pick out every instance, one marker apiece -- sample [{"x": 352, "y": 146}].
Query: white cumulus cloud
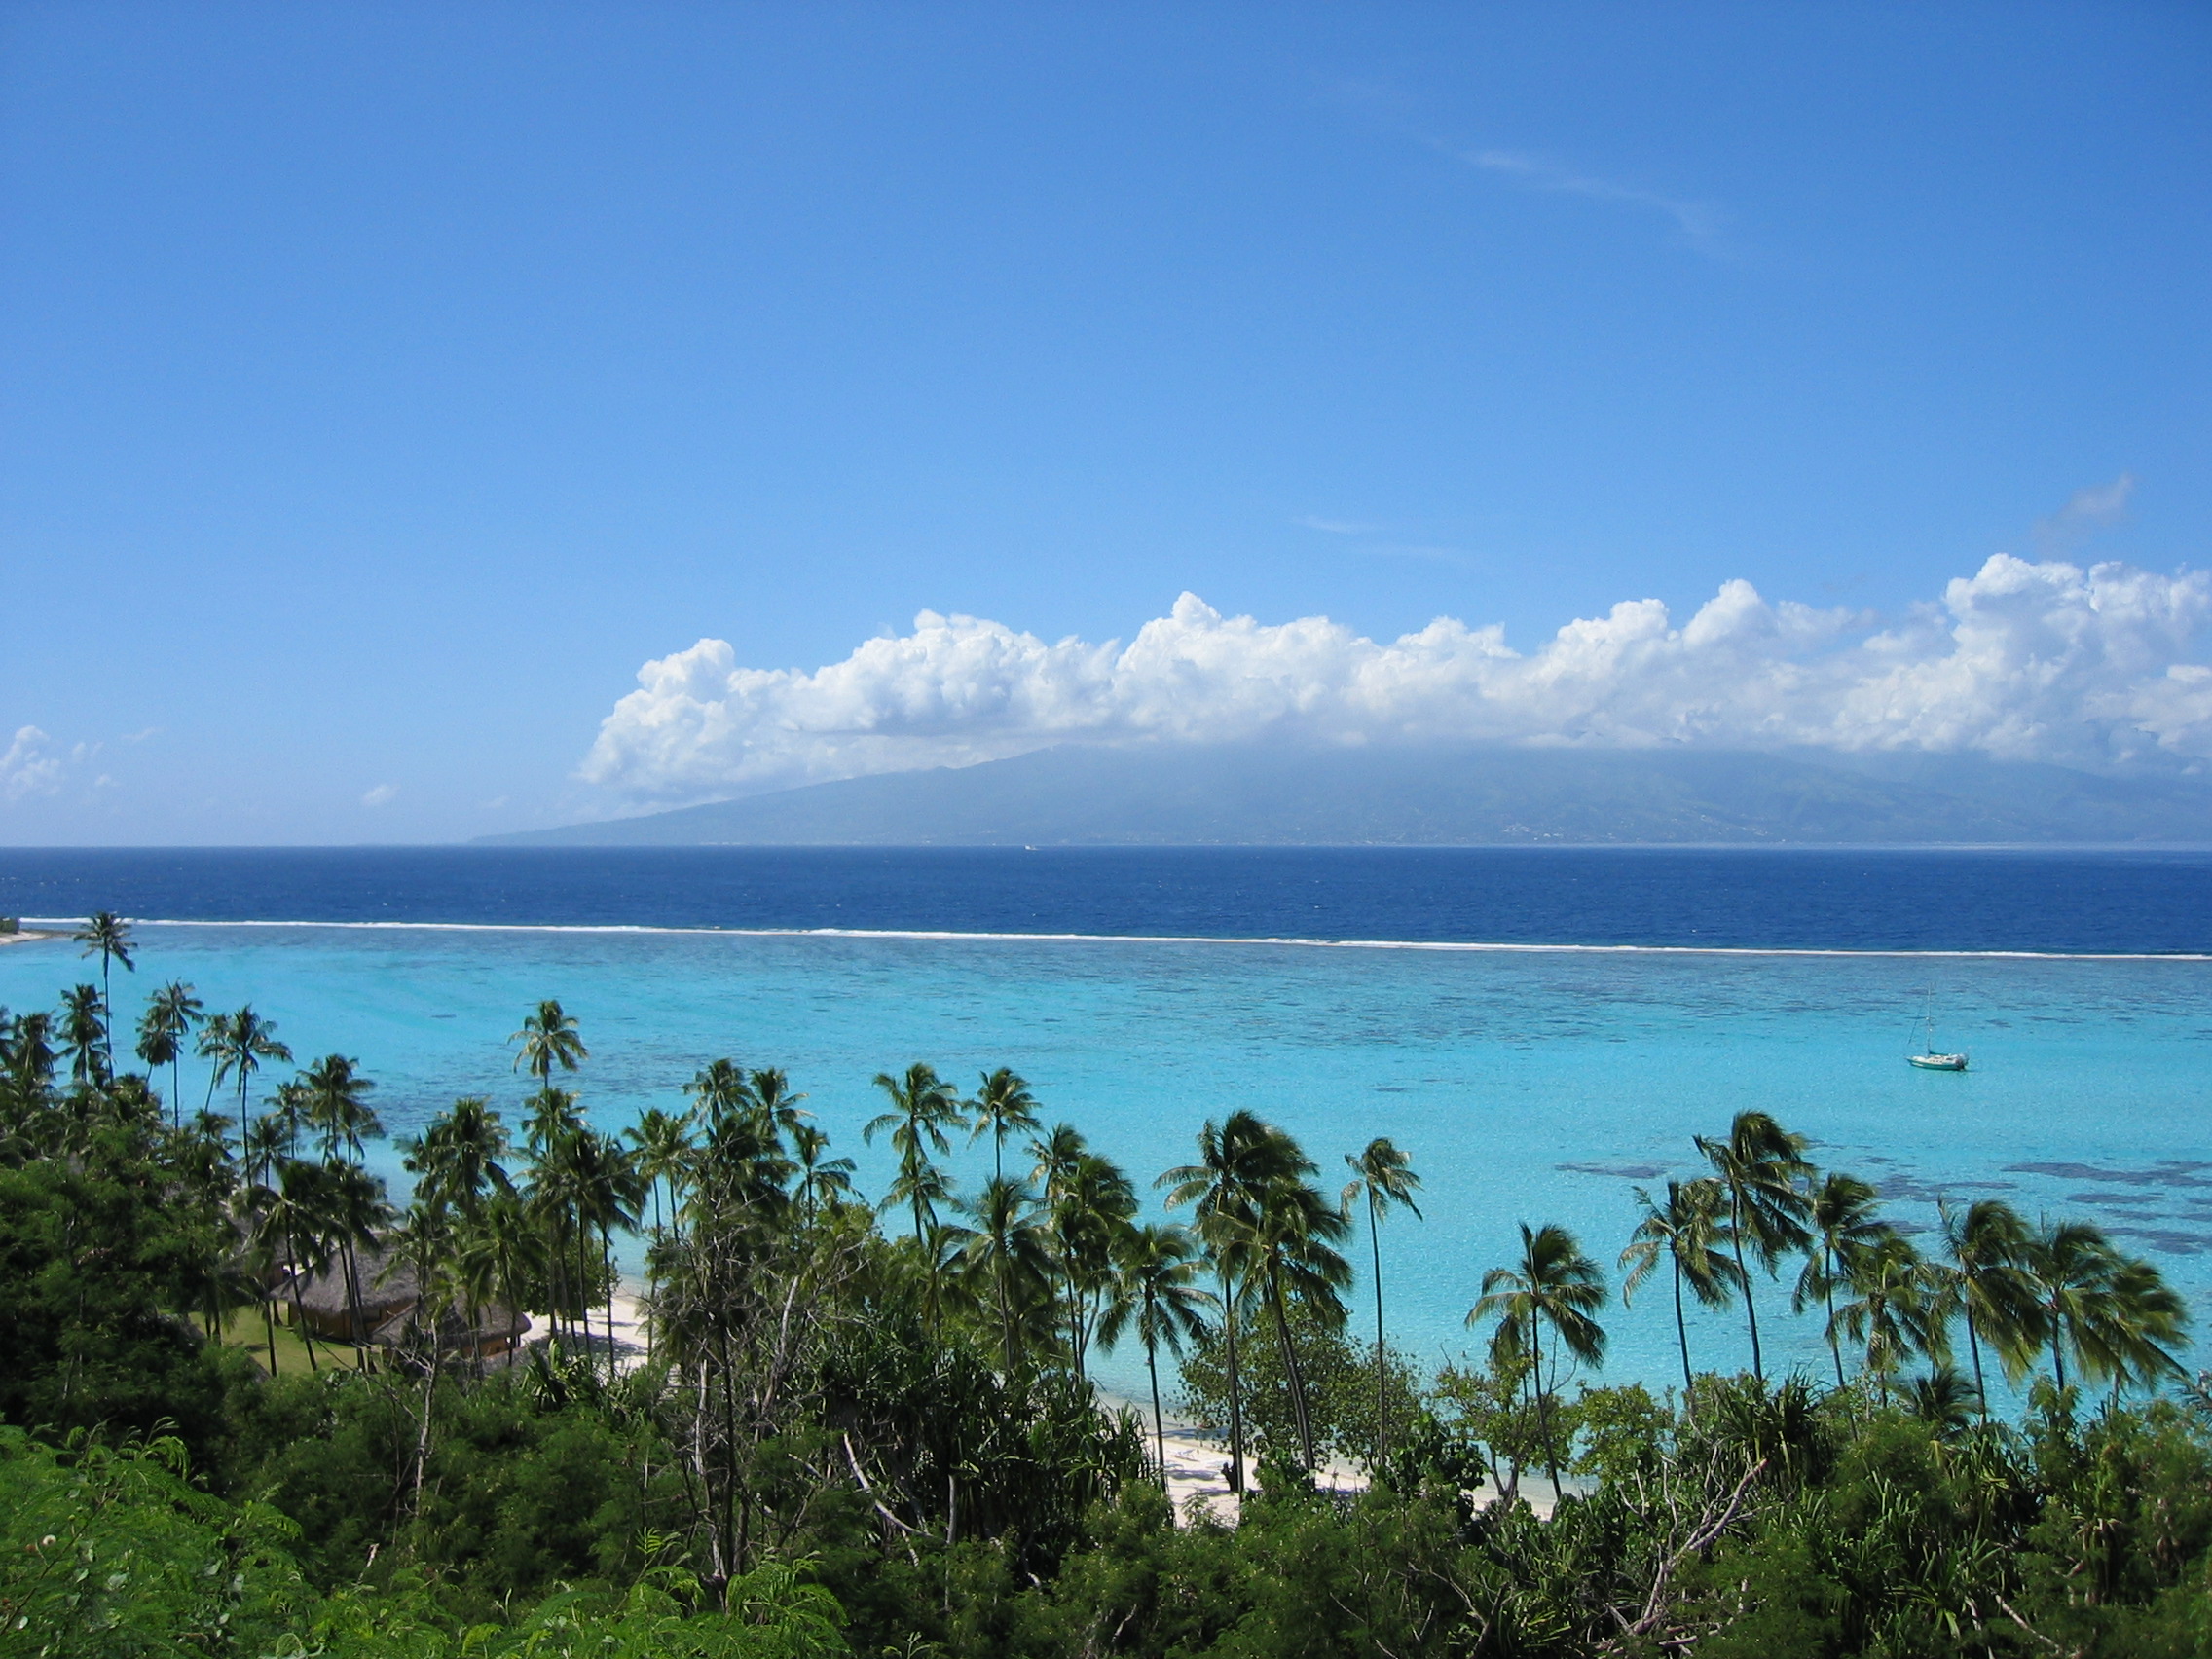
[
  {"x": 2047, "y": 661},
  {"x": 29, "y": 766}
]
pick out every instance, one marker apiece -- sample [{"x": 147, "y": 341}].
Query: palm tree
[
  {"x": 1383, "y": 1176},
  {"x": 1091, "y": 1208},
  {"x": 335, "y": 1104},
  {"x": 84, "y": 1035},
  {"x": 608, "y": 1192},
  {"x": 1237, "y": 1157},
  {"x": 1002, "y": 1106},
  {"x": 1897, "y": 1308},
  {"x": 548, "y": 1039},
  {"x": 2069, "y": 1268},
  {"x": 1759, "y": 1165},
  {"x": 2134, "y": 1327},
  {"x": 1010, "y": 1251},
  {"x": 923, "y": 1106},
  {"x": 1689, "y": 1234},
  {"x": 552, "y": 1126},
  {"x": 238, "y": 1044},
  {"x": 820, "y": 1179},
  {"x": 1553, "y": 1284},
  {"x": 1840, "y": 1217},
  {"x": 663, "y": 1147},
  {"x": 1986, "y": 1243},
  {"x": 107, "y": 936},
  {"x": 170, "y": 1015},
  {"x": 1156, "y": 1293},
  {"x": 293, "y": 1222},
  {"x": 1293, "y": 1245}
]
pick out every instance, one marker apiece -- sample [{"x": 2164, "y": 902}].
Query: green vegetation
[{"x": 250, "y": 1406}]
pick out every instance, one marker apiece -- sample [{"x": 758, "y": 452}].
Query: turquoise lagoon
[{"x": 1528, "y": 1085}]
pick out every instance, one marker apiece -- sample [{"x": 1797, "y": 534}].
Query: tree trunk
[
  {"x": 1750, "y": 1305},
  {"x": 1235, "y": 1396},
  {"x": 1158, "y": 1424},
  {"x": 1828, "y": 1288},
  {"x": 1682, "y": 1335},
  {"x": 1382, "y": 1370},
  {"x": 1290, "y": 1367},
  {"x": 1973, "y": 1346}
]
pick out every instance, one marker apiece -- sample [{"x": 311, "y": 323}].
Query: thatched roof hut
[{"x": 387, "y": 1294}]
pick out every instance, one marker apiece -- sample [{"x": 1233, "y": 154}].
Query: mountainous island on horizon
[{"x": 1167, "y": 795}]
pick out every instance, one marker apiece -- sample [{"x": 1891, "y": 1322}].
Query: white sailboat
[{"x": 1931, "y": 1058}]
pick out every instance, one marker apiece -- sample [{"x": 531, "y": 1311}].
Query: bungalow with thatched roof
[{"x": 386, "y": 1296}]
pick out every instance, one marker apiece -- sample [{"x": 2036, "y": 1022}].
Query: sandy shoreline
[{"x": 24, "y": 936}]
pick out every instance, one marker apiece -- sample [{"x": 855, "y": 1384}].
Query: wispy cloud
[
  {"x": 1699, "y": 222},
  {"x": 381, "y": 795},
  {"x": 1335, "y": 527},
  {"x": 2086, "y": 511}
]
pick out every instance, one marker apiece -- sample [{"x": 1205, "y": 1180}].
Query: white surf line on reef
[{"x": 954, "y": 936}]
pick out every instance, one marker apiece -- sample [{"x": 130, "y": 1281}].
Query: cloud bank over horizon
[{"x": 2052, "y": 661}]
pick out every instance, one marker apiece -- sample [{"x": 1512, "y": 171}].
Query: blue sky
[{"x": 382, "y": 385}]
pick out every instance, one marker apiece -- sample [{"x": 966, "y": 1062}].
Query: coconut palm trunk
[
  {"x": 1682, "y": 1333},
  {"x": 1235, "y": 1393},
  {"x": 1750, "y": 1301},
  {"x": 1290, "y": 1368}
]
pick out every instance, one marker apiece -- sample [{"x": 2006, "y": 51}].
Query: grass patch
[{"x": 244, "y": 1329}]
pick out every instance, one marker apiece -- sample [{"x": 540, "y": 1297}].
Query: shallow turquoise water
[{"x": 1526, "y": 1084}]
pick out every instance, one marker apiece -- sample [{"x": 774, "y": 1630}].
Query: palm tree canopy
[
  {"x": 1840, "y": 1217},
  {"x": 1760, "y": 1165},
  {"x": 106, "y": 936},
  {"x": 549, "y": 1038},
  {"x": 923, "y": 1106},
  {"x": 1553, "y": 1282},
  {"x": 1689, "y": 1231},
  {"x": 1157, "y": 1297},
  {"x": 1384, "y": 1175},
  {"x": 1002, "y": 1106}
]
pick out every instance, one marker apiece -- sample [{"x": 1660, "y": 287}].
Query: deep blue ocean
[
  {"x": 1758, "y": 898},
  {"x": 1345, "y": 993}
]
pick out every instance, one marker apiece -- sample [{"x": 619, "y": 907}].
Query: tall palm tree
[
  {"x": 1156, "y": 1295},
  {"x": 1010, "y": 1251},
  {"x": 1897, "y": 1308},
  {"x": 549, "y": 1130},
  {"x": 1759, "y": 1166},
  {"x": 1293, "y": 1242},
  {"x": 608, "y": 1192},
  {"x": 294, "y": 1223},
  {"x": 1554, "y": 1284},
  {"x": 663, "y": 1146},
  {"x": 1986, "y": 1243},
  {"x": 549, "y": 1039},
  {"x": 1090, "y": 1206},
  {"x": 239, "y": 1043},
  {"x": 1381, "y": 1176},
  {"x": 923, "y": 1107},
  {"x": 1003, "y": 1106},
  {"x": 355, "y": 1213},
  {"x": 107, "y": 936},
  {"x": 335, "y": 1104},
  {"x": 84, "y": 1036},
  {"x": 820, "y": 1179},
  {"x": 1691, "y": 1234},
  {"x": 1840, "y": 1218},
  {"x": 1237, "y": 1157},
  {"x": 457, "y": 1160},
  {"x": 170, "y": 1015},
  {"x": 2134, "y": 1327},
  {"x": 2069, "y": 1265}
]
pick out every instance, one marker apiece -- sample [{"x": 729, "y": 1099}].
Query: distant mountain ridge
[{"x": 1200, "y": 796}]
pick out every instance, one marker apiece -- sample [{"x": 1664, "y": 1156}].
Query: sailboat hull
[{"x": 1938, "y": 1062}]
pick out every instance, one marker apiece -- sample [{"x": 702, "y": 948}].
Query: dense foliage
[{"x": 854, "y": 1434}]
